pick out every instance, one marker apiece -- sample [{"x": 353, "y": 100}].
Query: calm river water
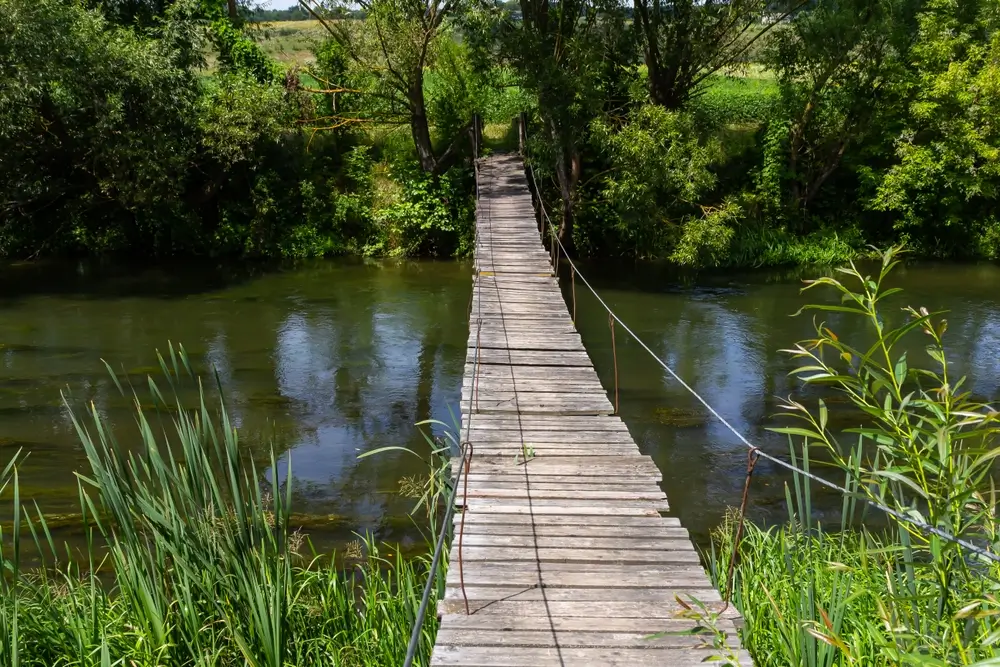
[{"x": 330, "y": 359}]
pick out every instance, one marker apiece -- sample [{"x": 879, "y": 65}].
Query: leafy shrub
[
  {"x": 705, "y": 240},
  {"x": 658, "y": 170},
  {"x": 734, "y": 100},
  {"x": 926, "y": 450},
  {"x": 434, "y": 216},
  {"x": 81, "y": 166},
  {"x": 945, "y": 178}
]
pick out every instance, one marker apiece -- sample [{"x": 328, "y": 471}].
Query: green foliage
[
  {"x": 926, "y": 450},
  {"x": 684, "y": 42},
  {"x": 772, "y": 245},
  {"x": 659, "y": 169},
  {"x": 82, "y": 166},
  {"x": 112, "y": 144},
  {"x": 434, "y": 216},
  {"x": 705, "y": 241},
  {"x": 201, "y": 565},
  {"x": 947, "y": 166},
  {"x": 239, "y": 53},
  {"x": 734, "y": 100}
]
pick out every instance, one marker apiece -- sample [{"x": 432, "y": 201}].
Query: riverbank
[
  {"x": 199, "y": 133},
  {"x": 195, "y": 563},
  {"x": 909, "y": 575}
]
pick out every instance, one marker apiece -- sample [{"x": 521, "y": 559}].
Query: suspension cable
[{"x": 905, "y": 518}]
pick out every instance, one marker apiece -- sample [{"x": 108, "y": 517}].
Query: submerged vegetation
[
  {"x": 730, "y": 133},
  {"x": 917, "y": 585},
  {"x": 190, "y": 559}
]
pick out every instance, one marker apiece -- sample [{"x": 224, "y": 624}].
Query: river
[{"x": 328, "y": 359}]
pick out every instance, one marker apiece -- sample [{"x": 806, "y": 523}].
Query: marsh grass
[
  {"x": 926, "y": 450},
  {"x": 198, "y": 563}
]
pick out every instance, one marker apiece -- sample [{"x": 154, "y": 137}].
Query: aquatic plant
[
  {"x": 190, "y": 560},
  {"x": 923, "y": 590}
]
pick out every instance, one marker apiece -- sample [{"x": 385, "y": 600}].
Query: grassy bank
[
  {"x": 191, "y": 561},
  {"x": 880, "y": 590}
]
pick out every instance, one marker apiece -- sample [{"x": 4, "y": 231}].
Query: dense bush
[
  {"x": 114, "y": 141},
  {"x": 860, "y": 122}
]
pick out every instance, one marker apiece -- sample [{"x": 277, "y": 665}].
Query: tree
[
  {"x": 834, "y": 67},
  {"x": 391, "y": 51},
  {"x": 945, "y": 178},
  {"x": 686, "y": 41},
  {"x": 568, "y": 53}
]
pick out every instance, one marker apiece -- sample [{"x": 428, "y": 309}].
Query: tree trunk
[
  {"x": 418, "y": 123},
  {"x": 233, "y": 13},
  {"x": 567, "y": 169}
]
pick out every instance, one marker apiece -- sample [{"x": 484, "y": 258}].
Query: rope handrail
[{"x": 922, "y": 525}]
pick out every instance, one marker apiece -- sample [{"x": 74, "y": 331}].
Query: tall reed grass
[
  {"x": 190, "y": 560},
  {"x": 899, "y": 595}
]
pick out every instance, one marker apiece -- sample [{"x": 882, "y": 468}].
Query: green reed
[
  {"x": 924, "y": 448},
  {"x": 190, "y": 560}
]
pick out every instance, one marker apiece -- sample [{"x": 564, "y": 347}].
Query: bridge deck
[{"x": 566, "y": 557}]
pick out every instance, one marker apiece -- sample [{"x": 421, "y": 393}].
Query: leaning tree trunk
[
  {"x": 419, "y": 128},
  {"x": 567, "y": 172}
]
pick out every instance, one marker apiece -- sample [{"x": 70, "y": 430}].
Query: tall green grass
[
  {"x": 900, "y": 594},
  {"x": 190, "y": 560}
]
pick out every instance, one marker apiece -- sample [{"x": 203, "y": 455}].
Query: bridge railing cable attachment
[{"x": 613, "y": 317}]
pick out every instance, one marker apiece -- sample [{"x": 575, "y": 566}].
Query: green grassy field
[{"x": 291, "y": 42}]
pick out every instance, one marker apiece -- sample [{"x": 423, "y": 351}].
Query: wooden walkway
[{"x": 566, "y": 558}]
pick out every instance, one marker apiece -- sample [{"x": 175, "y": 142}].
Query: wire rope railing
[
  {"x": 463, "y": 464},
  {"x": 558, "y": 250}
]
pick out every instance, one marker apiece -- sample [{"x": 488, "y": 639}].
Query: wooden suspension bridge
[{"x": 562, "y": 555}]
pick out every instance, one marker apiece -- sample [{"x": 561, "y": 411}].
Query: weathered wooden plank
[
  {"x": 569, "y": 609},
  {"x": 580, "y": 506},
  {"x": 479, "y": 656},
  {"x": 493, "y": 435},
  {"x": 522, "y": 557},
  {"x": 628, "y": 577},
  {"x": 565, "y": 509},
  {"x": 546, "y": 638},
  {"x": 552, "y": 423},
  {"x": 562, "y": 494},
  {"x": 596, "y": 465},
  {"x": 646, "y": 626},
  {"x": 514, "y": 456},
  {"x": 577, "y": 542},
  {"x": 529, "y": 399},
  {"x": 518, "y": 481},
  {"x": 520, "y": 341},
  {"x": 705, "y": 594},
  {"x": 481, "y": 573},
  {"x": 566, "y": 558},
  {"x": 582, "y": 520}
]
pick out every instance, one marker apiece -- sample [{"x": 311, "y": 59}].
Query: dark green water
[{"x": 330, "y": 359}]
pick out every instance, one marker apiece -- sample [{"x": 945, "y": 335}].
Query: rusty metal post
[
  {"x": 461, "y": 524},
  {"x": 614, "y": 353},
  {"x": 752, "y": 457},
  {"x": 572, "y": 283}
]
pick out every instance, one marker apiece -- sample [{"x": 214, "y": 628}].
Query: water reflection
[
  {"x": 329, "y": 359},
  {"x": 323, "y": 361},
  {"x": 723, "y": 334}
]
